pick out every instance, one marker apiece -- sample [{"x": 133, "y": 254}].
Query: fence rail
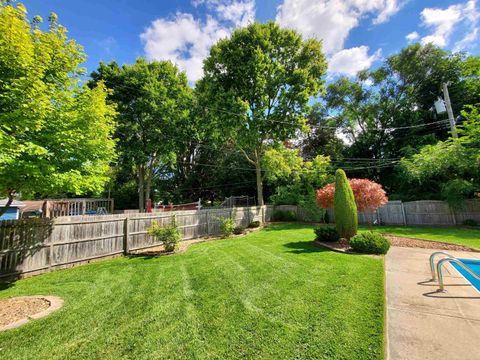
[
  {"x": 424, "y": 212},
  {"x": 40, "y": 245}
]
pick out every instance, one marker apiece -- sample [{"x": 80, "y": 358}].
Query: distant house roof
[{"x": 15, "y": 203}]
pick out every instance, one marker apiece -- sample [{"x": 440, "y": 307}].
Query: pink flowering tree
[{"x": 369, "y": 195}]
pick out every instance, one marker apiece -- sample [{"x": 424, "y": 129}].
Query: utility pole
[{"x": 448, "y": 104}]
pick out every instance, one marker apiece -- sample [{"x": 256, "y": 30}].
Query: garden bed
[
  {"x": 399, "y": 241},
  {"x": 17, "y": 311},
  {"x": 425, "y": 244}
]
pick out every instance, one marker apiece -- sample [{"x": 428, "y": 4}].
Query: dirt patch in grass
[
  {"x": 19, "y": 310},
  {"x": 425, "y": 244}
]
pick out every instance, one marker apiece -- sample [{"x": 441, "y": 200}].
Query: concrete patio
[{"x": 424, "y": 324}]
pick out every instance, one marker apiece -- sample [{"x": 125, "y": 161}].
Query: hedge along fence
[{"x": 41, "y": 245}]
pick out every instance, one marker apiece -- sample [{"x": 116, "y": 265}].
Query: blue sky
[{"x": 356, "y": 34}]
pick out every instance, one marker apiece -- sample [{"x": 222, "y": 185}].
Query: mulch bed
[
  {"x": 12, "y": 310},
  {"x": 400, "y": 241},
  {"x": 18, "y": 311},
  {"x": 425, "y": 244}
]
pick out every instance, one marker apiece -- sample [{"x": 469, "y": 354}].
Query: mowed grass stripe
[{"x": 268, "y": 295}]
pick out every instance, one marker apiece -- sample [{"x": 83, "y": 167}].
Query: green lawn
[
  {"x": 460, "y": 236},
  {"x": 269, "y": 295}
]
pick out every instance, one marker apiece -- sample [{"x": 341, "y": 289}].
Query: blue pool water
[{"x": 474, "y": 266}]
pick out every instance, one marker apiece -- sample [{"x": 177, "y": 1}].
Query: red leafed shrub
[{"x": 369, "y": 195}]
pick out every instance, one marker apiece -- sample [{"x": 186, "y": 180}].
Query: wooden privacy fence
[
  {"x": 424, "y": 212},
  {"x": 40, "y": 245}
]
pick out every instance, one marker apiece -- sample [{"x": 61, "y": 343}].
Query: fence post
[
  {"x": 206, "y": 221},
  {"x": 263, "y": 214},
  {"x": 125, "y": 236},
  {"x": 404, "y": 215},
  {"x": 248, "y": 216}
]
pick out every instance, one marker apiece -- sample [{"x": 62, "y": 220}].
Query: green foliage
[
  {"x": 398, "y": 94},
  {"x": 55, "y": 134},
  {"x": 154, "y": 101},
  {"x": 280, "y": 162},
  {"x": 301, "y": 183},
  {"x": 326, "y": 234},
  {"x": 453, "y": 164},
  {"x": 238, "y": 230},
  {"x": 370, "y": 243},
  {"x": 344, "y": 206},
  {"x": 297, "y": 195},
  {"x": 310, "y": 211},
  {"x": 284, "y": 215},
  {"x": 266, "y": 74},
  {"x": 227, "y": 226},
  {"x": 254, "y": 224},
  {"x": 470, "y": 222},
  {"x": 169, "y": 235}
]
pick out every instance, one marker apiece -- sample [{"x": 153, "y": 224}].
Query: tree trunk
[
  {"x": 141, "y": 188},
  {"x": 10, "y": 195},
  {"x": 258, "y": 171},
  {"x": 148, "y": 187}
]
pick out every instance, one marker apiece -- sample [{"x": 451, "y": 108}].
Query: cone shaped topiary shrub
[{"x": 344, "y": 206}]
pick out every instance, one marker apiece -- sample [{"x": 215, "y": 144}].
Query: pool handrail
[
  {"x": 432, "y": 262},
  {"x": 456, "y": 261}
]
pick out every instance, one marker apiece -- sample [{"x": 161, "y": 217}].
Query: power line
[{"x": 336, "y": 127}]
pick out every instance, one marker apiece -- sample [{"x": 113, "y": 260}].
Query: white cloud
[
  {"x": 186, "y": 40},
  {"x": 332, "y": 20},
  {"x": 468, "y": 39},
  {"x": 444, "y": 22},
  {"x": 350, "y": 61},
  {"x": 412, "y": 36}
]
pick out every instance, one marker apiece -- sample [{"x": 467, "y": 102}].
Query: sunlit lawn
[
  {"x": 454, "y": 235},
  {"x": 269, "y": 295}
]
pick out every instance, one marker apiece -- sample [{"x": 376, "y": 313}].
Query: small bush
[
  {"x": 284, "y": 215},
  {"x": 470, "y": 222},
  {"x": 370, "y": 243},
  {"x": 327, "y": 234},
  {"x": 238, "y": 230},
  {"x": 169, "y": 235},
  {"x": 254, "y": 224},
  {"x": 227, "y": 227}
]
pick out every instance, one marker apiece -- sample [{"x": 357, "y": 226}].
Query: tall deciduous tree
[
  {"x": 55, "y": 135},
  {"x": 153, "y": 100},
  {"x": 257, "y": 84}
]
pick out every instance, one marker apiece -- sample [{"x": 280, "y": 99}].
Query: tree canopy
[
  {"x": 257, "y": 85},
  {"x": 55, "y": 134},
  {"x": 154, "y": 101}
]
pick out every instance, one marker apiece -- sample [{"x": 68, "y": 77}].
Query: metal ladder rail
[
  {"x": 432, "y": 262},
  {"x": 456, "y": 261}
]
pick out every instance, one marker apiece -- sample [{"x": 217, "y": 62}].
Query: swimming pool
[{"x": 474, "y": 266}]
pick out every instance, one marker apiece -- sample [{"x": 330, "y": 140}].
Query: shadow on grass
[
  {"x": 6, "y": 285},
  {"x": 304, "y": 247},
  {"x": 286, "y": 226}
]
